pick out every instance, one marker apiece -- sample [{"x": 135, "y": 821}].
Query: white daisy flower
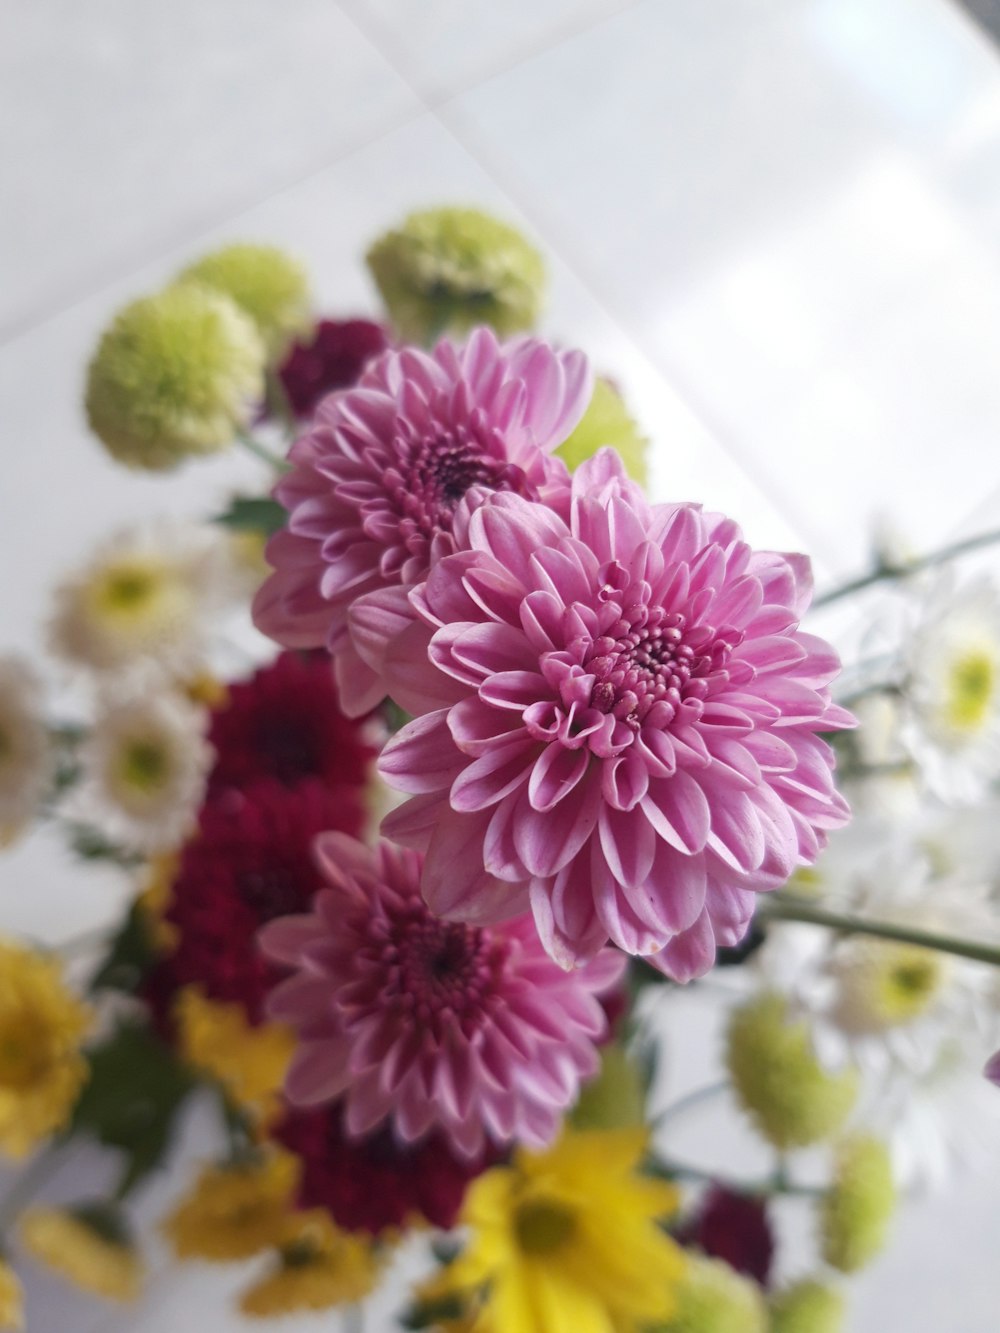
[
  {"x": 952, "y": 688},
  {"x": 914, "y": 1021},
  {"x": 146, "y": 596},
  {"x": 25, "y": 751},
  {"x": 144, "y": 770}
]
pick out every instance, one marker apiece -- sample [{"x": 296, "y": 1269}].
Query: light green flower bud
[
  {"x": 606, "y": 421},
  {"x": 808, "y": 1307},
  {"x": 791, "y": 1099},
  {"x": 714, "y": 1298},
  {"x": 268, "y": 285},
  {"x": 616, "y": 1098},
  {"x": 447, "y": 269},
  {"x": 174, "y": 375},
  {"x": 856, "y": 1211}
]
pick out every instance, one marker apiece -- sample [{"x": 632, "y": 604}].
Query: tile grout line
[
  {"x": 25, "y": 326},
  {"x": 701, "y": 413}
]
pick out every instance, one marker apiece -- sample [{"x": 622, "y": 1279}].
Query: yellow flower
[
  {"x": 607, "y": 421},
  {"x": 154, "y": 901},
  {"x": 42, "y": 1024},
  {"x": 808, "y": 1307},
  {"x": 318, "y": 1266},
  {"x": 11, "y": 1300},
  {"x": 250, "y": 1062},
  {"x": 87, "y": 1244},
  {"x": 235, "y": 1210},
  {"x": 567, "y": 1241}
]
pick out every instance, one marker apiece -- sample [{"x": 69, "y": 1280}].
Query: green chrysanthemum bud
[
  {"x": 174, "y": 375},
  {"x": 792, "y": 1100},
  {"x": 856, "y": 1211},
  {"x": 714, "y": 1298},
  {"x": 616, "y": 1098},
  {"x": 606, "y": 421},
  {"x": 808, "y": 1307},
  {"x": 268, "y": 285},
  {"x": 447, "y": 269}
]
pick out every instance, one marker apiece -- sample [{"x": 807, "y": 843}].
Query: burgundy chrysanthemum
[
  {"x": 382, "y": 484},
  {"x": 428, "y": 1023},
  {"x": 622, "y": 723},
  {"x": 332, "y": 358},
  {"x": 250, "y": 862},
  {"x": 285, "y": 723},
  {"x": 733, "y": 1227},
  {"x": 376, "y": 1183}
]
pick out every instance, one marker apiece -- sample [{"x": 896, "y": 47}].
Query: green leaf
[
  {"x": 131, "y": 954},
  {"x": 131, "y": 1101},
  {"x": 253, "y": 513}
]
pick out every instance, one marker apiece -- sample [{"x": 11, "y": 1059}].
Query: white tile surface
[
  {"x": 128, "y": 127},
  {"x": 792, "y": 237},
  {"x": 453, "y": 43}
]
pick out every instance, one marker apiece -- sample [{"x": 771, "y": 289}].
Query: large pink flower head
[
  {"x": 381, "y": 485},
  {"x": 626, "y": 726},
  {"x": 430, "y": 1024}
]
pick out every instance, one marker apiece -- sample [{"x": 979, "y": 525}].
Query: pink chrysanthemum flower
[
  {"x": 426, "y": 1023},
  {"x": 630, "y": 726},
  {"x": 379, "y": 485}
]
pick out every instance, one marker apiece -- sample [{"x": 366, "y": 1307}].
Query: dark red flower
[
  {"x": 376, "y": 1183},
  {"x": 332, "y": 359},
  {"x": 285, "y": 723},
  {"x": 250, "y": 861},
  {"x": 733, "y": 1227}
]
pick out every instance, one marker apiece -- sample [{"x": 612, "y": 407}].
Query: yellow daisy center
[
  {"x": 888, "y": 985},
  {"x": 131, "y": 589},
  {"x": 542, "y": 1226},
  {"x": 971, "y": 690},
  {"x": 144, "y": 765}
]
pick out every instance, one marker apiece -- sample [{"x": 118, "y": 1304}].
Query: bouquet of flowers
[{"x": 417, "y": 898}]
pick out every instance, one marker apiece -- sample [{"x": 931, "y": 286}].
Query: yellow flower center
[
  {"x": 144, "y": 765},
  {"x": 888, "y": 985},
  {"x": 971, "y": 690},
  {"x": 543, "y": 1227},
  {"x": 130, "y": 588}
]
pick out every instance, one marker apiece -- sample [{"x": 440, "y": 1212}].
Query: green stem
[
  {"x": 914, "y": 566},
  {"x": 779, "y": 1183},
  {"x": 27, "y": 1185},
  {"x": 783, "y": 907},
  {"x": 689, "y": 1102},
  {"x": 261, "y": 451}
]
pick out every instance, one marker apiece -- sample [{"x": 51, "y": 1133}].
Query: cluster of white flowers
[{"x": 921, "y": 855}]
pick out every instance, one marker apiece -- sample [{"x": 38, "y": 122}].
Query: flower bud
[
  {"x": 607, "y": 421},
  {"x": 808, "y": 1307},
  {"x": 856, "y": 1210},
  {"x": 615, "y": 1099},
  {"x": 174, "y": 375},
  {"x": 712, "y": 1298},
  {"x": 791, "y": 1099},
  {"x": 268, "y": 285},
  {"x": 449, "y": 269}
]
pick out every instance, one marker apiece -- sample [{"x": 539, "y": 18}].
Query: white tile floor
[{"x": 775, "y": 222}]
